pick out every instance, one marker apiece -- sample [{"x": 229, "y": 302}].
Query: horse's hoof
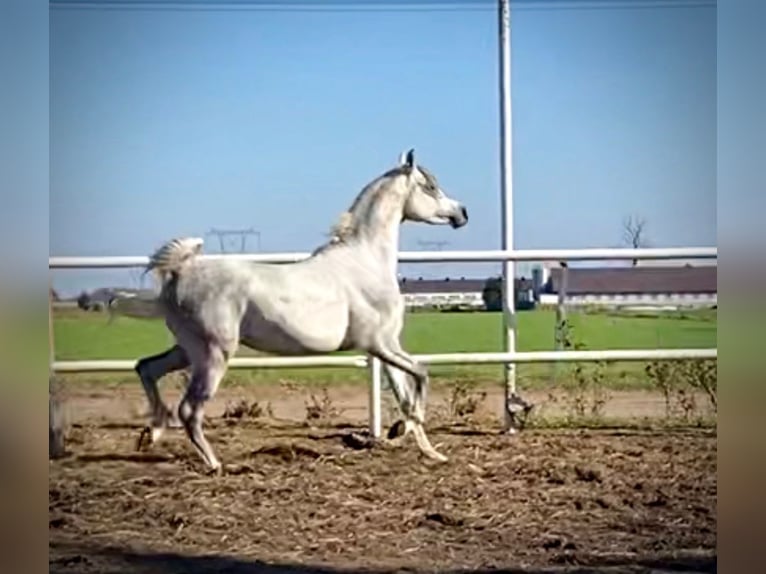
[
  {"x": 215, "y": 470},
  {"x": 171, "y": 420},
  {"x": 397, "y": 429},
  {"x": 437, "y": 457},
  {"x": 142, "y": 438}
]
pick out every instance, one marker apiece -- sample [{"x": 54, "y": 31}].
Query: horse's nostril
[{"x": 464, "y": 212}]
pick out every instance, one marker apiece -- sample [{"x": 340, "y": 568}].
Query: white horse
[{"x": 345, "y": 296}]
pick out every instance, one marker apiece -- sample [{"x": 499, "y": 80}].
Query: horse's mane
[
  {"x": 344, "y": 227},
  {"x": 347, "y": 224}
]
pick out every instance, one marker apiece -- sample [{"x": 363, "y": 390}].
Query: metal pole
[
  {"x": 376, "y": 372},
  {"x": 51, "y": 340},
  {"x": 506, "y": 201},
  {"x": 56, "y": 422},
  {"x": 478, "y": 256},
  {"x": 561, "y": 314}
]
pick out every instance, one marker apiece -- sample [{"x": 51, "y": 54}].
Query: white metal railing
[
  {"x": 438, "y": 359},
  {"x": 361, "y": 361},
  {"x": 486, "y": 256}
]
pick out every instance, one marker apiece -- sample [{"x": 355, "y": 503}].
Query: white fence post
[
  {"x": 506, "y": 202},
  {"x": 376, "y": 372},
  {"x": 56, "y": 422}
]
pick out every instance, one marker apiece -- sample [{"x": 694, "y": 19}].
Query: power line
[
  {"x": 356, "y": 6},
  {"x": 241, "y": 233},
  {"x": 439, "y": 245},
  {"x": 362, "y": 3}
]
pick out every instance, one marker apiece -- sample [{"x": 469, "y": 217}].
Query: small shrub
[
  {"x": 679, "y": 380},
  {"x": 586, "y": 391},
  {"x": 464, "y": 401},
  {"x": 702, "y": 375},
  {"x": 662, "y": 375},
  {"x": 321, "y": 409},
  {"x": 242, "y": 409}
]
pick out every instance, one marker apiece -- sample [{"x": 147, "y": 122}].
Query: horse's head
[{"x": 426, "y": 201}]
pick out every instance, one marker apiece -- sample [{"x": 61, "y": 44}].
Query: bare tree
[{"x": 634, "y": 233}]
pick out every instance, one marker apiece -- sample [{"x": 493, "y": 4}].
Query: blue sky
[{"x": 165, "y": 123}]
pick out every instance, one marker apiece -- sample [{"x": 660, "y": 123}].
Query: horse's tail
[
  {"x": 167, "y": 262},
  {"x": 133, "y": 305},
  {"x": 171, "y": 258}
]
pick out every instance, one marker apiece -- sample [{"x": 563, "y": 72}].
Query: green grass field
[{"x": 80, "y": 335}]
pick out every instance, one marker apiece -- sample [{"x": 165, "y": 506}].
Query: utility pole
[
  {"x": 514, "y": 404},
  {"x": 242, "y": 233}
]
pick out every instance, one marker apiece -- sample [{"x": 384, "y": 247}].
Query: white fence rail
[
  {"x": 361, "y": 361},
  {"x": 116, "y": 262}
]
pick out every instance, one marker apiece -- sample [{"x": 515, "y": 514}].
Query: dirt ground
[{"x": 298, "y": 497}]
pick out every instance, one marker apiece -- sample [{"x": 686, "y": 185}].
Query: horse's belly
[{"x": 295, "y": 331}]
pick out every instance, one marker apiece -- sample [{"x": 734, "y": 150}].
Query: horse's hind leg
[
  {"x": 207, "y": 373},
  {"x": 150, "y": 370}
]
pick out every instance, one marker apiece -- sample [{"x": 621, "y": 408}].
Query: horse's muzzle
[{"x": 459, "y": 220}]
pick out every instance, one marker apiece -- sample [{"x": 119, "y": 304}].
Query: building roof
[
  {"x": 677, "y": 263},
  {"x": 461, "y": 285},
  {"x": 636, "y": 280},
  {"x": 410, "y": 286}
]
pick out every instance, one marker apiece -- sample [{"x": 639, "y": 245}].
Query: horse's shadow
[
  {"x": 141, "y": 457},
  {"x": 345, "y": 436},
  {"x": 109, "y": 560}
]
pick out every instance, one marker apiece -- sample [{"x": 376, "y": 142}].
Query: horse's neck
[
  {"x": 372, "y": 234},
  {"x": 384, "y": 247},
  {"x": 378, "y": 226}
]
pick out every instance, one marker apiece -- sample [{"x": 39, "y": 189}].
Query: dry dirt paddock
[{"x": 297, "y": 497}]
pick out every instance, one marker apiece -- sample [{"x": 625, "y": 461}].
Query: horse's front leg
[{"x": 398, "y": 364}]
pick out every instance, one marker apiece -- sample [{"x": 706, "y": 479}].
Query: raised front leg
[
  {"x": 397, "y": 364},
  {"x": 401, "y": 389}
]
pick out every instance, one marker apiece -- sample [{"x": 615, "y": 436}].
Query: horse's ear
[{"x": 407, "y": 159}]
